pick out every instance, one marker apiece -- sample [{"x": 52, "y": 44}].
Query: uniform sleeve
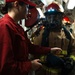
[
  {"x": 8, "y": 64},
  {"x": 36, "y": 49}
]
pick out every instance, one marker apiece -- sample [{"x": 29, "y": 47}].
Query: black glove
[{"x": 53, "y": 61}]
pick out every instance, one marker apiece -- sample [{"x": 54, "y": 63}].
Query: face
[{"x": 23, "y": 11}]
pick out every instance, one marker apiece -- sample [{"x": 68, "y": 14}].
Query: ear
[{"x": 16, "y": 4}]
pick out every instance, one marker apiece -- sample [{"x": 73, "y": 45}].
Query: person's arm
[{"x": 36, "y": 49}]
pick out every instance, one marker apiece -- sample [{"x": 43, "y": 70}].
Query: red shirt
[{"x": 15, "y": 47}]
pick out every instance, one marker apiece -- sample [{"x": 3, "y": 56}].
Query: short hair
[{"x": 8, "y": 6}]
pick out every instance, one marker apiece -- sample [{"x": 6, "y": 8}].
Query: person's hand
[
  {"x": 36, "y": 64},
  {"x": 56, "y": 50}
]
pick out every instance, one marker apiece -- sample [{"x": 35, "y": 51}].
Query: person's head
[
  {"x": 54, "y": 15},
  {"x": 66, "y": 21},
  {"x": 19, "y": 7}
]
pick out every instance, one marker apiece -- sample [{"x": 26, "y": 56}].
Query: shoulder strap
[
  {"x": 45, "y": 38},
  {"x": 68, "y": 36}
]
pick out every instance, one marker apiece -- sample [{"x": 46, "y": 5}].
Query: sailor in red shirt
[{"x": 14, "y": 44}]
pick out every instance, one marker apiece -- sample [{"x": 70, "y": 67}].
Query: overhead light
[
  {"x": 46, "y": 2},
  {"x": 2, "y": 1},
  {"x": 65, "y": 1},
  {"x": 71, "y": 4}
]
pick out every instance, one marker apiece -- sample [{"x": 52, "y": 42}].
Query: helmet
[
  {"x": 54, "y": 7},
  {"x": 67, "y": 23},
  {"x": 66, "y": 20},
  {"x": 32, "y": 17},
  {"x": 54, "y": 15}
]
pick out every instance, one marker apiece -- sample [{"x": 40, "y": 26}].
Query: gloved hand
[{"x": 53, "y": 61}]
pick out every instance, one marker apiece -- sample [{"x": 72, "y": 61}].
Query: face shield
[{"x": 53, "y": 19}]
